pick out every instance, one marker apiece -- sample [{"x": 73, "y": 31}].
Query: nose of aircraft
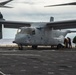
[{"x": 21, "y": 39}]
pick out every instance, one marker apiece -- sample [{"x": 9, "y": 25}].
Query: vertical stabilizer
[{"x": 51, "y": 19}]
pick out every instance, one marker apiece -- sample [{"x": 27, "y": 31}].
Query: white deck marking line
[
  {"x": 8, "y": 51},
  {"x": 69, "y": 51},
  {"x": 20, "y": 54},
  {"x": 2, "y": 73},
  {"x": 41, "y": 51}
]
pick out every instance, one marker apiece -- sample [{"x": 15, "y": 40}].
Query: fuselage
[{"x": 40, "y": 36}]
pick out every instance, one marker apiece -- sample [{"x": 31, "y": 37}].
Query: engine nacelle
[
  {"x": 1, "y": 18},
  {"x": 51, "y": 19}
]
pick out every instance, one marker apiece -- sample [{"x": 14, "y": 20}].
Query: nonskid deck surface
[{"x": 38, "y": 62}]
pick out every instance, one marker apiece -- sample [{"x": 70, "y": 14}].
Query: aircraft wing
[
  {"x": 5, "y": 2},
  {"x": 72, "y": 3},
  {"x": 55, "y": 25},
  {"x": 14, "y": 24},
  {"x": 62, "y": 24}
]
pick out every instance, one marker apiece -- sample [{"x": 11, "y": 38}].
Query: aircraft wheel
[
  {"x": 52, "y": 46},
  {"x": 34, "y": 47},
  {"x": 59, "y": 46},
  {"x": 20, "y": 47}
]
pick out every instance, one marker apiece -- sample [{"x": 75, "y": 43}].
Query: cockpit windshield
[
  {"x": 19, "y": 30},
  {"x": 30, "y": 31}
]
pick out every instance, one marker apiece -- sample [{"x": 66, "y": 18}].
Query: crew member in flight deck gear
[
  {"x": 66, "y": 42},
  {"x": 69, "y": 42}
]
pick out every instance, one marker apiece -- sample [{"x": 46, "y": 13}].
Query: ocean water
[{"x": 7, "y": 42}]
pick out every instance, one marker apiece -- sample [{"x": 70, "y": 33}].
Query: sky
[{"x": 34, "y": 10}]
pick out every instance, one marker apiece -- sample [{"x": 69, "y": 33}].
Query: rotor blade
[
  {"x": 3, "y": 3},
  {"x": 14, "y": 24},
  {"x": 5, "y": 7},
  {"x": 73, "y": 3}
]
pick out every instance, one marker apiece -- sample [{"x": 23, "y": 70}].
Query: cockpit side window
[{"x": 29, "y": 31}]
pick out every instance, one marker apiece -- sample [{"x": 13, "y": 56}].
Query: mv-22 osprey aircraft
[{"x": 39, "y": 33}]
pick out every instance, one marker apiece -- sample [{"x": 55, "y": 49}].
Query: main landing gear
[
  {"x": 34, "y": 46},
  {"x": 60, "y": 46},
  {"x": 20, "y": 47}
]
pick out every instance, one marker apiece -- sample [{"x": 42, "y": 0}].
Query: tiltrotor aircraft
[
  {"x": 39, "y": 33},
  {"x": 2, "y": 4}
]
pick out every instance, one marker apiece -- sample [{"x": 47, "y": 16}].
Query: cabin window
[{"x": 28, "y": 32}]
